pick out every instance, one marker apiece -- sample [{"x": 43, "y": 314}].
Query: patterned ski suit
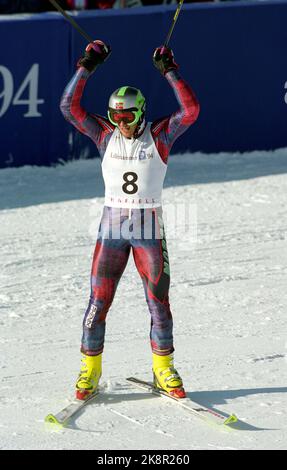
[{"x": 111, "y": 254}]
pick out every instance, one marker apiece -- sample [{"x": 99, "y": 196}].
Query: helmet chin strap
[{"x": 139, "y": 129}]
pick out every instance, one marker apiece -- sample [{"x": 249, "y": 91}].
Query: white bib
[{"x": 133, "y": 171}]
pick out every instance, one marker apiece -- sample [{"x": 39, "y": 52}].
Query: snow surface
[{"x": 228, "y": 297}]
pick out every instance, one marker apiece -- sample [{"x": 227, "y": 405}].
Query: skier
[{"x": 134, "y": 156}]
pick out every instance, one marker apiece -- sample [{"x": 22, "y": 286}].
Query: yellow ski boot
[
  {"x": 89, "y": 376},
  {"x": 166, "y": 377}
]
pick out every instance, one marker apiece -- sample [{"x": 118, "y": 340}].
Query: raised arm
[
  {"x": 94, "y": 126},
  {"x": 166, "y": 130}
]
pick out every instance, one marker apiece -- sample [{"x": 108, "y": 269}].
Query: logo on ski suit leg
[{"x": 91, "y": 316}]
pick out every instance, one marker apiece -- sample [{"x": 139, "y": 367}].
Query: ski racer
[{"x": 134, "y": 157}]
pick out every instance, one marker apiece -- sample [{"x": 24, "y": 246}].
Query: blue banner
[
  {"x": 34, "y": 66},
  {"x": 233, "y": 55}
]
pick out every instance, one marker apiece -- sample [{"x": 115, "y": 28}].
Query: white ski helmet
[{"x": 128, "y": 104}]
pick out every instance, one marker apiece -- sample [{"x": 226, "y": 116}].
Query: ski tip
[
  {"x": 51, "y": 419},
  {"x": 230, "y": 420}
]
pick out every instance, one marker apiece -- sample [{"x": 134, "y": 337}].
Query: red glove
[
  {"x": 163, "y": 60},
  {"x": 95, "y": 54}
]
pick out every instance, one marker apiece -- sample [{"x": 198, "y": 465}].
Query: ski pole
[
  {"x": 71, "y": 21},
  {"x": 173, "y": 23}
]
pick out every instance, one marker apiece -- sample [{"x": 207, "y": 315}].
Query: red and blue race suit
[{"x": 111, "y": 255}]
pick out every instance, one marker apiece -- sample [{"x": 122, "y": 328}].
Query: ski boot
[
  {"x": 166, "y": 377},
  {"x": 89, "y": 376}
]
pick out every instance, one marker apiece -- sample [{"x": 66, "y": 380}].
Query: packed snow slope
[{"x": 228, "y": 297}]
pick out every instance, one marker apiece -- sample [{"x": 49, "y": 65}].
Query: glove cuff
[
  {"x": 89, "y": 65},
  {"x": 170, "y": 68}
]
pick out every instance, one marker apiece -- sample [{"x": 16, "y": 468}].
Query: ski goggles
[{"x": 129, "y": 116}]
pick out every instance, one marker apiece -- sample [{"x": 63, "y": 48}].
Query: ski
[
  {"x": 207, "y": 414},
  {"x": 62, "y": 417}
]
